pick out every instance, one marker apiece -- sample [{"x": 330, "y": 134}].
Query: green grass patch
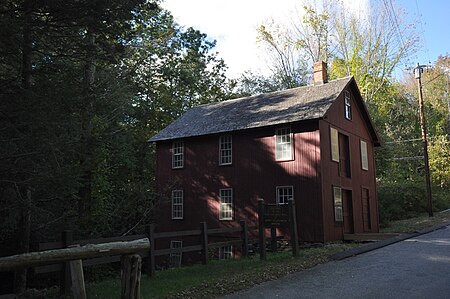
[
  {"x": 416, "y": 223},
  {"x": 224, "y": 277},
  {"x": 220, "y": 277}
]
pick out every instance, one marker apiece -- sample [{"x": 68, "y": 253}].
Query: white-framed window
[
  {"x": 284, "y": 193},
  {"x": 226, "y": 252},
  {"x": 225, "y": 150},
  {"x": 348, "y": 106},
  {"x": 177, "y": 154},
  {"x": 177, "y": 204},
  {"x": 337, "y": 197},
  {"x": 334, "y": 137},
  {"x": 175, "y": 256},
  {"x": 364, "y": 159},
  {"x": 226, "y": 204},
  {"x": 283, "y": 144}
]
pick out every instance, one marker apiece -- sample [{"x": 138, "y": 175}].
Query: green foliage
[
  {"x": 400, "y": 165},
  {"x": 105, "y": 77}
]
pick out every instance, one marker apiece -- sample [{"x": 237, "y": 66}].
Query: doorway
[{"x": 347, "y": 203}]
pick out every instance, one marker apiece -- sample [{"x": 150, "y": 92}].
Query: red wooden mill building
[{"x": 314, "y": 144}]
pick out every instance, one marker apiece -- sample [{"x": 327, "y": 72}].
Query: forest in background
[{"x": 84, "y": 84}]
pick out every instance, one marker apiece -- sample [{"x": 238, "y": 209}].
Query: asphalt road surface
[{"x": 414, "y": 268}]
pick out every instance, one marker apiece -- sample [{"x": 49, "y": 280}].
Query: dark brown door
[
  {"x": 366, "y": 209},
  {"x": 344, "y": 156},
  {"x": 347, "y": 211}
]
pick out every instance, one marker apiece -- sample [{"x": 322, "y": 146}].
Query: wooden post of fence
[
  {"x": 262, "y": 232},
  {"x": 273, "y": 239},
  {"x": 150, "y": 264},
  {"x": 244, "y": 238},
  {"x": 293, "y": 221},
  {"x": 65, "y": 283},
  {"x": 77, "y": 279},
  {"x": 204, "y": 241},
  {"x": 131, "y": 276}
]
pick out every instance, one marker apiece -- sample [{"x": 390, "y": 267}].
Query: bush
[{"x": 408, "y": 199}]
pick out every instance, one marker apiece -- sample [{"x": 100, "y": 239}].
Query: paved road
[{"x": 414, "y": 268}]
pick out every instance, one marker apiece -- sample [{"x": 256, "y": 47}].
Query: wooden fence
[{"x": 149, "y": 262}]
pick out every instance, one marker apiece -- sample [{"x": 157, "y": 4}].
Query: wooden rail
[{"x": 33, "y": 259}]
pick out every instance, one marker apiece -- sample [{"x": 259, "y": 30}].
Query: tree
[
  {"x": 82, "y": 87},
  {"x": 368, "y": 47},
  {"x": 286, "y": 63}
]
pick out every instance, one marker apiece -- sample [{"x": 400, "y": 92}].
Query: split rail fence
[{"x": 63, "y": 264}]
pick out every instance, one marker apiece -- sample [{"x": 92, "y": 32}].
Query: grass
[
  {"x": 417, "y": 223},
  {"x": 224, "y": 277},
  {"x": 220, "y": 277}
]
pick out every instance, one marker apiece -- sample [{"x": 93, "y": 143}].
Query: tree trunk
[
  {"x": 23, "y": 246},
  {"x": 87, "y": 113},
  {"x": 23, "y": 242}
]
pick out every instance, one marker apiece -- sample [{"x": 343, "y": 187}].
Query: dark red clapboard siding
[
  {"x": 356, "y": 130},
  {"x": 255, "y": 174}
]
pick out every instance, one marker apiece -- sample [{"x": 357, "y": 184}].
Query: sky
[{"x": 233, "y": 24}]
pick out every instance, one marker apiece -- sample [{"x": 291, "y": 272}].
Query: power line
[{"x": 396, "y": 23}]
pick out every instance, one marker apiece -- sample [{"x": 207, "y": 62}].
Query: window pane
[
  {"x": 348, "y": 107},
  {"x": 226, "y": 252},
  {"x": 177, "y": 154},
  {"x": 177, "y": 204},
  {"x": 175, "y": 256},
  {"x": 283, "y": 144},
  {"x": 226, "y": 204},
  {"x": 225, "y": 150},
  {"x": 364, "y": 159},
  {"x": 334, "y": 145},
  {"x": 337, "y": 194},
  {"x": 284, "y": 193}
]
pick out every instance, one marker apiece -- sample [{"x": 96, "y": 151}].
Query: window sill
[
  {"x": 285, "y": 160},
  {"x": 228, "y": 164}
]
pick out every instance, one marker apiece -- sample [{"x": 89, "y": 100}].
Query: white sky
[{"x": 233, "y": 24}]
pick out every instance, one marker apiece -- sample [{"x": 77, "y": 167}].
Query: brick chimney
[{"x": 320, "y": 73}]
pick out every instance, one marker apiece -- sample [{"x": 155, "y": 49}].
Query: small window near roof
[
  {"x": 348, "y": 106},
  {"x": 177, "y": 154},
  {"x": 284, "y": 193},
  {"x": 283, "y": 141},
  {"x": 225, "y": 150},
  {"x": 364, "y": 159}
]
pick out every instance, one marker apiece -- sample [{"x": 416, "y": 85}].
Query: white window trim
[
  {"x": 347, "y": 103},
  {"x": 221, "y": 149},
  {"x": 228, "y": 250},
  {"x": 221, "y": 205},
  {"x": 334, "y": 144},
  {"x": 364, "y": 156},
  {"x": 175, "y": 145},
  {"x": 282, "y": 187},
  {"x": 336, "y": 191},
  {"x": 291, "y": 143},
  {"x": 177, "y": 204}
]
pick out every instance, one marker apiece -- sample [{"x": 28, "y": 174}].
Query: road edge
[{"x": 379, "y": 244}]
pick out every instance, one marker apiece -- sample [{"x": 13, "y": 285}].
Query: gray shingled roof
[{"x": 297, "y": 104}]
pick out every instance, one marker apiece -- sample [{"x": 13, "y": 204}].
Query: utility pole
[{"x": 418, "y": 74}]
